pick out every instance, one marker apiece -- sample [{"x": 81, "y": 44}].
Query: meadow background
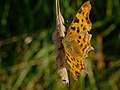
[{"x": 27, "y": 56}]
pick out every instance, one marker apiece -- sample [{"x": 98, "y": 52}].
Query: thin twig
[{"x": 57, "y": 37}]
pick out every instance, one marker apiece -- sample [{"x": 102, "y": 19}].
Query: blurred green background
[{"x": 27, "y": 56}]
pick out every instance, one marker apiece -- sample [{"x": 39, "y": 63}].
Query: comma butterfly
[{"x": 77, "y": 41}]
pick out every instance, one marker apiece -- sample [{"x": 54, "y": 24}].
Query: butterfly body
[{"x": 77, "y": 41}]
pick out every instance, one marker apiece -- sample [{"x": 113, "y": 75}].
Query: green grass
[{"x": 27, "y": 55}]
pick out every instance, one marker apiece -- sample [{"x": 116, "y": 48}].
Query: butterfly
[{"x": 76, "y": 43}]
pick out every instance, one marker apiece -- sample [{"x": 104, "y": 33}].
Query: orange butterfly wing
[{"x": 77, "y": 41}]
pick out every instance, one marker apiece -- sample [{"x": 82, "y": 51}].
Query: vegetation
[{"x": 27, "y": 56}]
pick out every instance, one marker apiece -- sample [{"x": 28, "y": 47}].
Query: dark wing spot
[
  {"x": 83, "y": 13},
  {"x": 77, "y": 66},
  {"x": 69, "y": 66},
  {"x": 70, "y": 32},
  {"x": 67, "y": 54},
  {"x": 72, "y": 69},
  {"x": 78, "y": 41},
  {"x": 81, "y": 64},
  {"x": 81, "y": 45},
  {"x": 72, "y": 59},
  {"x": 80, "y": 10},
  {"x": 77, "y": 60},
  {"x": 82, "y": 68},
  {"x": 79, "y": 37},
  {"x": 76, "y": 20},
  {"x": 82, "y": 20},
  {"x": 86, "y": 46},
  {"x": 88, "y": 22},
  {"x": 84, "y": 28},
  {"x": 86, "y": 18},
  {"x": 81, "y": 25},
  {"x": 69, "y": 60},
  {"x": 83, "y": 49},
  {"x": 73, "y": 66},
  {"x": 73, "y": 28},
  {"x": 78, "y": 30}
]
